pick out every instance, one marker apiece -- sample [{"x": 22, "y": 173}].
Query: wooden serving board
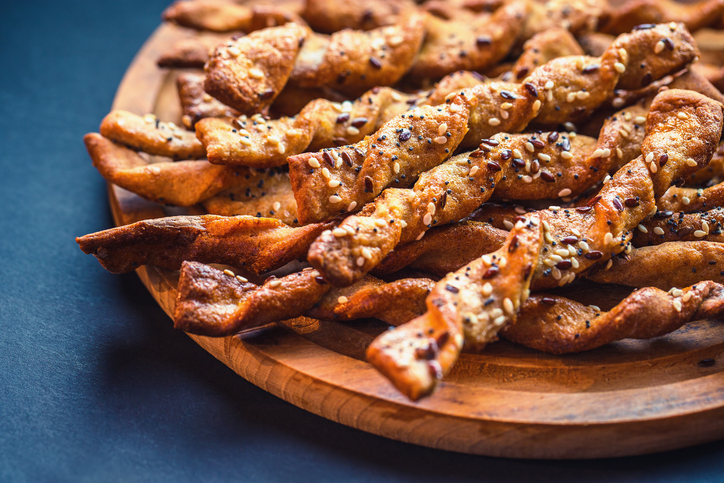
[{"x": 628, "y": 398}]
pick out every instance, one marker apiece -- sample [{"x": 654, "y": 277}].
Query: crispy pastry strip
[
  {"x": 338, "y": 180},
  {"x": 196, "y": 104},
  {"x": 215, "y": 303},
  {"x": 544, "y": 47},
  {"x": 224, "y": 16},
  {"x": 182, "y": 183},
  {"x": 257, "y": 244},
  {"x": 151, "y": 136},
  {"x": 558, "y": 325},
  {"x": 665, "y": 226},
  {"x": 329, "y": 16},
  {"x": 463, "y": 307},
  {"x": 191, "y": 52},
  {"x": 687, "y": 263},
  {"x": 635, "y": 13},
  {"x": 690, "y": 200}
]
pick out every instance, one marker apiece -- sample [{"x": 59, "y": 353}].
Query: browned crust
[
  {"x": 558, "y": 325},
  {"x": 196, "y": 104},
  {"x": 151, "y": 136},
  {"x": 191, "y": 52},
  {"x": 690, "y": 200},
  {"x": 182, "y": 183},
  {"x": 248, "y": 73},
  {"x": 575, "y": 15},
  {"x": 416, "y": 355},
  {"x": 544, "y": 47},
  {"x": 687, "y": 263},
  {"x": 328, "y": 16},
  {"x": 216, "y": 16},
  {"x": 595, "y": 43},
  {"x": 637, "y": 12},
  {"x": 257, "y": 244},
  {"x": 667, "y": 226},
  {"x": 215, "y": 303}
]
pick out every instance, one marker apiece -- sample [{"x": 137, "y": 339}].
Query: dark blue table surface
[{"x": 95, "y": 384}]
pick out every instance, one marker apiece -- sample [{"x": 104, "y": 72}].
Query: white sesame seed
[
  {"x": 339, "y": 232},
  {"x": 687, "y": 296},
  {"x": 527, "y": 179},
  {"x": 487, "y": 260},
  {"x": 536, "y": 105},
  {"x": 676, "y": 292},
  {"x": 360, "y": 261},
  {"x": 241, "y": 279},
  {"x": 620, "y": 68},
  {"x": 273, "y": 139},
  {"x": 380, "y": 223},
  {"x": 553, "y": 208},
  {"x": 494, "y": 121},
  {"x": 649, "y": 157},
  {"x": 574, "y": 263},
  {"x": 691, "y": 162},
  {"x": 367, "y": 253},
  {"x": 571, "y": 97},
  {"x": 349, "y": 230},
  {"x": 705, "y": 227},
  {"x": 508, "y": 225},
  {"x": 627, "y": 116},
  {"x": 342, "y": 299},
  {"x": 556, "y": 273},
  {"x": 619, "y": 153},
  {"x": 440, "y": 140},
  {"x": 544, "y": 157},
  {"x": 334, "y": 199},
  {"x": 584, "y": 246},
  {"x": 395, "y": 41},
  {"x": 427, "y": 219},
  {"x": 508, "y": 306},
  {"x": 403, "y": 223},
  {"x": 256, "y": 73},
  {"x": 654, "y": 167},
  {"x": 566, "y": 155},
  {"x": 431, "y": 208},
  {"x": 314, "y": 162},
  {"x": 682, "y": 115},
  {"x": 473, "y": 170},
  {"x": 502, "y": 262},
  {"x": 672, "y": 26},
  {"x": 517, "y": 153},
  {"x": 333, "y": 183},
  {"x": 564, "y": 192},
  {"x": 529, "y": 147},
  {"x": 281, "y": 148},
  {"x": 396, "y": 167},
  {"x": 581, "y": 95},
  {"x": 245, "y": 141},
  {"x": 275, "y": 283},
  {"x": 658, "y": 230},
  {"x": 506, "y": 105},
  {"x": 607, "y": 179},
  {"x": 659, "y": 47},
  {"x": 229, "y": 273},
  {"x": 487, "y": 289},
  {"x": 326, "y": 173},
  {"x": 643, "y": 229},
  {"x": 346, "y": 106},
  {"x": 352, "y": 206},
  {"x": 677, "y": 305},
  {"x": 442, "y": 129},
  {"x": 549, "y": 85},
  {"x": 352, "y": 131},
  {"x": 685, "y": 200},
  {"x": 499, "y": 320},
  {"x": 640, "y": 120},
  {"x": 276, "y": 205},
  {"x": 496, "y": 312},
  {"x": 699, "y": 233},
  {"x": 608, "y": 238}
]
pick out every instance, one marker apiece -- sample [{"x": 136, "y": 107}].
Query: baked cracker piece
[
  {"x": 577, "y": 16},
  {"x": 464, "y": 307},
  {"x": 328, "y": 16},
  {"x": 632, "y": 14},
  {"x": 266, "y": 193},
  {"x": 256, "y": 244},
  {"x": 475, "y": 44},
  {"x": 148, "y": 134},
  {"x": 215, "y": 303},
  {"x": 666, "y": 226},
  {"x": 690, "y": 200},
  {"x": 248, "y": 73},
  {"x": 686, "y": 263},
  {"x": 225, "y": 16},
  {"x": 558, "y": 325},
  {"x": 338, "y": 180},
  {"x": 192, "y": 52},
  {"x": 181, "y": 183},
  {"x": 196, "y": 104}
]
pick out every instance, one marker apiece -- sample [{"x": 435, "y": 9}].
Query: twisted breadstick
[
  {"x": 635, "y": 13},
  {"x": 667, "y": 226},
  {"x": 220, "y": 16},
  {"x": 558, "y": 325},
  {"x": 257, "y": 244}
]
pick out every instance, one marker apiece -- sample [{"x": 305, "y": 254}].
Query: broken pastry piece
[
  {"x": 329, "y": 16},
  {"x": 256, "y": 244},
  {"x": 192, "y": 52},
  {"x": 467, "y": 307},
  {"x": 181, "y": 183},
  {"x": 150, "y": 135},
  {"x": 637, "y": 13},
  {"x": 224, "y": 16},
  {"x": 196, "y": 104},
  {"x": 558, "y": 325}
]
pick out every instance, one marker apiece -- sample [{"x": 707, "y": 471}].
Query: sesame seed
[
  {"x": 314, "y": 163},
  {"x": 508, "y": 306},
  {"x": 245, "y": 141},
  {"x": 659, "y": 47},
  {"x": 494, "y": 121},
  {"x": 333, "y": 183},
  {"x": 473, "y": 170},
  {"x": 281, "y": 148},
  {"x": 571, "y": 97},
  {"x": 508, "y": 225},
  {"x": 544, "y": 157},
  {"x": 440, "y": 140},
  {"x": 339, "y": 232},
  {"x": 350, "y": 231},
  {"x": 241, "y": 279},
  {"x": 380, "y": 222},
  {"x": 275, "y": 283},
  {"x": 427, "y": 219},
  {"x": 487, "y": 289},
  {"x": 273, "y": 139},
  {"x": 620, "y": 68},
  {"x": 276, "y": 205},
  {"x": 506, "y": 105},
  {"x": 256, "y": 73},
  {"x": 431, "y": 208},
  {"x": 496, "y": 312},
  {"x": 395, "y": 41},
  {"x": 499, "y": 320},
  {"x": 691, "y": 162},
  {"x": 334, "y": 199},
  {"x": 352, "y": 206},
  {"x": 564, "y": 192},
  {"x": 677, "y": 305},
  {"x": 536, "y": 105},
  {"x": 352, "y": 131},
  {"x": 658, "y": 230},
  {"x": 685, "y": 200},
  {"x": 342, "y": 299},
  {"x": 682, "y": 115},
  {"x": 549, "y": 85},
  {"x": 640, "y": 120},
  {"x": 367, "y": 253},
  {"x": 396, "y": 167},
  {"x": 326, "y": 173},
  {"x": 502, "y": 262},
  {"x": 687, "y": 296},
  {"x": 360, "y": 261},
  {"x": 699, "y": 233},
  {"x": 229, "y": 273},
  {"x": 486, "y": 259},
  {"x": 676, "y": 292},
  {"x": 608, "y": 239},
  {"x": 442, "y": 129}
]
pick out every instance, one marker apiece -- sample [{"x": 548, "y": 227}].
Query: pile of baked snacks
[{"x": 497, "y": 150}]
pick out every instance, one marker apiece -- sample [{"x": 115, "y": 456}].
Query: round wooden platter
[{"x": 628, "y": 398}]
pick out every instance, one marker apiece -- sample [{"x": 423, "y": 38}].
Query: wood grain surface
[{"x": 628, "y": 398}]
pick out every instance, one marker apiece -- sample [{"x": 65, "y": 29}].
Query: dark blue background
[{"x": 95, "y": 384}]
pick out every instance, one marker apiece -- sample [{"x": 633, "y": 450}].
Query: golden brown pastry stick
[
  {"x": 266, "y": 193},
  {"x": 710, "y": 175},
  {"x": 558, "y": 325},
  {"x": 686, "y": 263},
  {"x": 338, "y": 180},
  {"x": 635, "y": 13},
  {"x": 151, "y": 136},
  {"x": 575, "y": 15},
  {"x": 182, "y": 183},
  {"x": 544, "y": 47},
  {"x": 595, "y": 43},
  {"x": 224, "y": 16},
  {"x": 259, "y": 142},
  {"x": 470, "y": 306},
  {"x": 215, "y": 303},
  {"x": 329, "y": 16},
  {"x": 196, "y": 104},
  {"x": 690, "y": 200},
  {"x": 435, "y": 254},
  {"x": 667, "y": 226},
  {"x": 192, "y": 52},
  {"x": 256, "y": 244}
]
